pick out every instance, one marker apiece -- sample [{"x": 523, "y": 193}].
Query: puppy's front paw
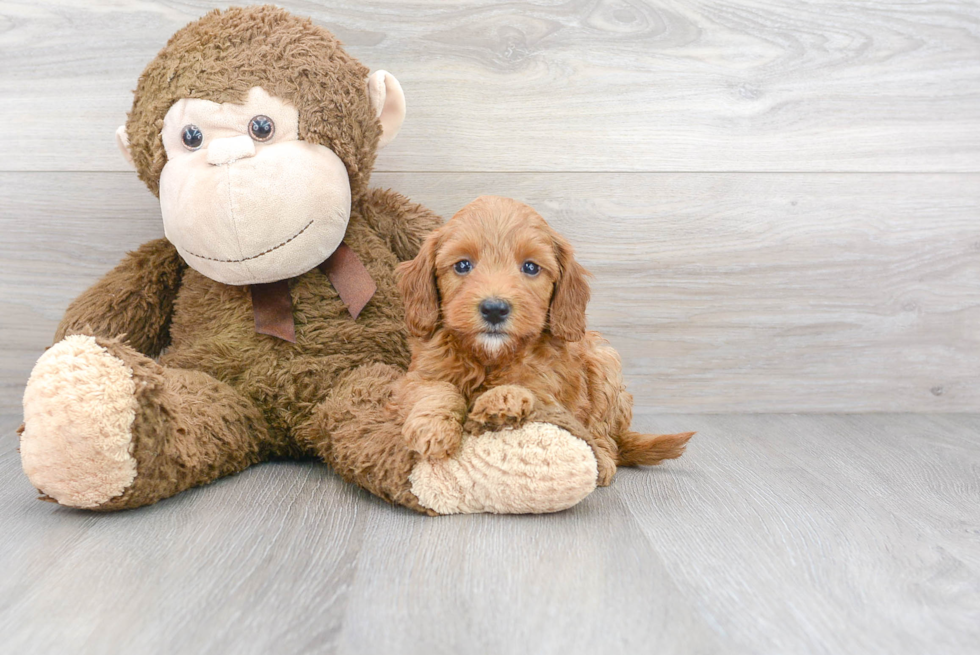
[
  {"x": 434, "y": 437},
  {"x": 506, "y": 406}
]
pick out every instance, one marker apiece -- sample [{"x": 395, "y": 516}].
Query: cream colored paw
[
  {"x": 535, "y": 469},
  {"x": 79, "y": 408}
]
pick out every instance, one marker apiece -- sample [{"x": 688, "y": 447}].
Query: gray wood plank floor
[
  {"x": 586, "y": 85},
  {"x": 773, "y": 534}
]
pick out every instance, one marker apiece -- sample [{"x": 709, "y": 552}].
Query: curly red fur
[{"x": 541, "y": 354}]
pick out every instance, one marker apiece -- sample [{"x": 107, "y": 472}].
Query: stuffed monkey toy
[{"x": 267, "y": 323}]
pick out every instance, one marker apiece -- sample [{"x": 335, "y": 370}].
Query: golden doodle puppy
[{"x": 496, "y": 301}]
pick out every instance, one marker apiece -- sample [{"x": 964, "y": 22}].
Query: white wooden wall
[{"x": 780, "y": 201}]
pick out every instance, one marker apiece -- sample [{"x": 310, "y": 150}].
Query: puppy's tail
[{"x": 648, "y": 449}]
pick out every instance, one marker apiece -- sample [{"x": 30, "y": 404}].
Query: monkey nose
[{"x": 230, "y": 149}]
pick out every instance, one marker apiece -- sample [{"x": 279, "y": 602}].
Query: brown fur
[
  {"x": 545, "y": 357},
  {"x": 192, "y": 429},
  {"x": 222, "y": 397},
  {"x": 135, "y": 300},
  {"x": 226, "y": 53}
]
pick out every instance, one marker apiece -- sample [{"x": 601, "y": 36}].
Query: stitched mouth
[{"x": 245, "y": 259}]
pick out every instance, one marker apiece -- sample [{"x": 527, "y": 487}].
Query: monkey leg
[
  {"x": 107, "y": 428},
  {"x": 361, "y": 440},
  {"x": 536, "y": 468}
]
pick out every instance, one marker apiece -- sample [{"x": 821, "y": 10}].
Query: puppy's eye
[
  {"x": 463, "y": 266},
  {"x": 192, "y": 137},
  {"x": 261, "y": 128},
  {"x": 530, "y": 268}
]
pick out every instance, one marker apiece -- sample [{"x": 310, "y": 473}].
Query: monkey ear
[
  {"x": 417, "y": 284},
  {"x": 122, "y": 140},
  {"x": 388, "y": 102},
  {"x": 566, "y": 317}
]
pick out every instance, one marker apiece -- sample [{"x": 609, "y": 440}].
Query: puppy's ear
[
  {"x": 566, "y": 317},
  {"x": 417, "y": 283}
]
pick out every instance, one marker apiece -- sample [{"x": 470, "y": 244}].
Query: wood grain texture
[
  {"x": 738, "y": 286},
  {"x": 722, "y": 292},
  {"x": 814, "y": 534},
  {"x": 611, "y": 85}
]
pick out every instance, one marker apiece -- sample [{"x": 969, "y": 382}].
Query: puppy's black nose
[{"x": 494, "y": 310}]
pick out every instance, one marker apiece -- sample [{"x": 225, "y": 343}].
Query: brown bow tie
[{"x": 273, "y": 306}]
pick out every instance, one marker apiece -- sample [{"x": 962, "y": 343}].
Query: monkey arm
[
  {"x": 134, "y": 299},
  {"x": 402, "y": 223}
]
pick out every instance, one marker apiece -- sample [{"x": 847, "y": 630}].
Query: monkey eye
[
  {"x": 261, "y": 128},
  {"x": 192, "y": 137},
  {"x": 463, "y": 266},
  {"x": 530, "y": 268}
]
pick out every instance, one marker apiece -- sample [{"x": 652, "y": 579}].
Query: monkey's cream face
[{"x": 244, "y": 200}]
